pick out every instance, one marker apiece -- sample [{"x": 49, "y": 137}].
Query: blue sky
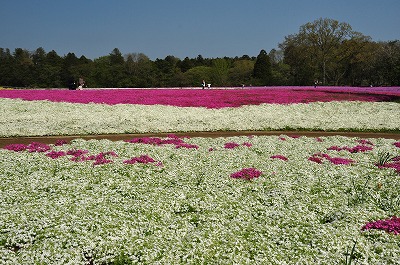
[{"x": 157, "y": 28}]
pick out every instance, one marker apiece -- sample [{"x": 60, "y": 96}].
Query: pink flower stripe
[
  {"x": 318, "y": 158},
  {"x": 56, "y": 154},
  {"x": 281, "y": 157},
  {"x": 143, "y": 159},
  {"x": 232, "y": 145},
  {"x": 212, "y": 98},
  {"x": 355, "y": 149},
  {"x": 247, "y": 173},
  {"x": 391, "y": 225},
  {"x": 172, "y": 139}
]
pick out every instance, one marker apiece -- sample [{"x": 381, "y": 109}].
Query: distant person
[
  {"x": 315, "y": 83},
  {"x": 81, "y": 83},
  {"x": 203, "y": 84},
  {"x": 209, "y": 85}
]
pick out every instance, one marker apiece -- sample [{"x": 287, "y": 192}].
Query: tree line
[{"x": 323, "y": 52}]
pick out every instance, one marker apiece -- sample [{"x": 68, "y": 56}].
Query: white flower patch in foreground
[
  {"x": 34, "y": 118},
  {"x": 183, "y": 207}
]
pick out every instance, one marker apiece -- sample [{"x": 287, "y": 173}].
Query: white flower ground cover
[
  {"x": 184, "y": 208},
  {"x": 181, "y": 205},
  {"x": 36, "y": 118}
]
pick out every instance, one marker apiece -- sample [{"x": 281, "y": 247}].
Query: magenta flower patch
[
  {"x": 60, "y": 142},
  {"x": 232, "y": 145},
  {"x": 397, "y": 144},
  {"x": 38, "y": 147},
  {"x": 143, "y": 159},
  {"x": 246, "y": 173},
  {"x": 391, "y": 225},
  {"x": 16, "y": 147},
  {"x": 365, "y": 142},
  {"x": 394, "y": 164},
  {"x": 281, "y": 157},
  {"x": 355, "y": 149},
  {"x": 171, "y": 139},
  {"x": 318, "y": 158},
  {"x": 56, "y": 154},
  {"x": 211, "y": 98}
]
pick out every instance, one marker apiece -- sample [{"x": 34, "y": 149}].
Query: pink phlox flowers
[
  {"x": 318, "y": 158},
  {"x": 397, "y": 144},
  {"x": 395, "y": 164},
  {"x": 391, "y": 225},
  {"x": 146, "y": 140},
  {"x": 247, "y": 174},
  {"x": 38, "y": 147},
  {"x": 355, "y": 149},
  {"x": 102, "y": 158},
  {"x": 365, "y": 142},
  {"x": 281, "y": 157},
  {"x": 60, "y": 142},
  {"x": 56, "y": 154},
  {"x": 143, "y": 159},
  {"x": 172, "y": 139},
  {"x": 77, "y": 152},
  {"x": 232, "y": 145},
  {"x": 16, "y": 147},
  {"x": 186, "y": 145},
  {"x": 212, "y": 98}
]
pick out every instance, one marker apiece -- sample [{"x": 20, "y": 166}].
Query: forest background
[{"x": 325, "y": 51}]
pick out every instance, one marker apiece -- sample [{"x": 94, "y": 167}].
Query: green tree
[
  {"x": 317, "y": 51},
  {"x": 195, "y": 75},
  {"x": 262, "y": 69},
  {"x": 22, "y": 68},
  {"x": 241, "y": 72},
  {"x": 219, "y": 72},
  {"x": 6, "y": 67}
]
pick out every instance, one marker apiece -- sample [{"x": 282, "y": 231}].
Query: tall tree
[
  {"x": 219, "y": 72},
  {"x": 318, "y": 48},
  {"x": 262, "y": 69}
]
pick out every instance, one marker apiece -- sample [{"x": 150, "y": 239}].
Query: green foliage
[{"x": 262, "y": 69}]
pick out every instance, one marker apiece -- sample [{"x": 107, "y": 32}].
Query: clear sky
[{"x": 182, "y": 28}]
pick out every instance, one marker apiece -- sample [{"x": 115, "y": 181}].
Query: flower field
[
  {"x": 178, "y": 200},
  {"x": 209, "y": 98}
]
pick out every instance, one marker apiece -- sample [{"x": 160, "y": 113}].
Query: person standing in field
[{"x": 203, "y": 84}]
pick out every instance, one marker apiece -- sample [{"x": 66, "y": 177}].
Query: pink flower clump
[
  {"x": 32, "y": 147},
  {"x": 60, "y": 142},
  {"x": 247, "y": 174},
  {"x": 232, "y": 145},
  {"x": 397, "y": 144},
  {"x": 391, "y": 225},
  {"x": 143, "y": 159},
  {"x": 16, "y": 147},
  {"x": 171, "y": 139},
  {"x": 284, "y": 158},
  {"x": 394, "y": 164},
  {"x": 99, "y": 159},
  {"x": 318, "y": 158},
  {"x": 355, "y": 149},
  {"x": 56, "y": 154}
]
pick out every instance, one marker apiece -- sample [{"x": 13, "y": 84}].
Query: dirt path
[{"x": 118, "y": 137}]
